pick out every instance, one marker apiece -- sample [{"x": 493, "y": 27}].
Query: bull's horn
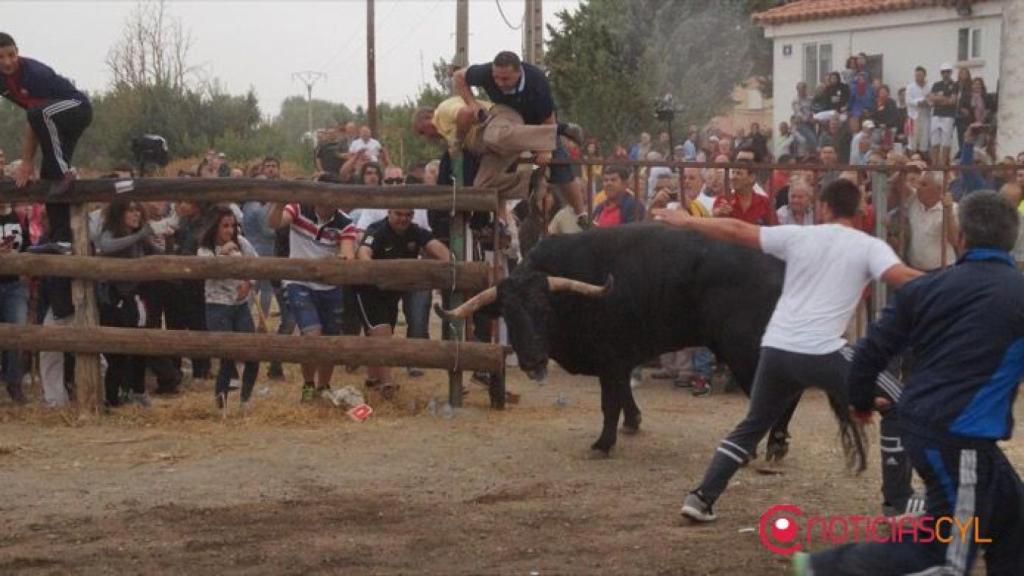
[
  {"x": 560, "y": 284},
  {"x": 469, "y": 306}
]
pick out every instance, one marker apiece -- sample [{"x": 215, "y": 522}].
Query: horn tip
[{"x": 445, "y": 314}]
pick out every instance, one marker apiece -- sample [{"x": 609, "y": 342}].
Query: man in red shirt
[
  {"x": 619, "y": 206},
  {"x": 743, "y": 203}
]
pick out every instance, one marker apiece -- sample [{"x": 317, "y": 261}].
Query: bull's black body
[{"x": 672, "y": 289}]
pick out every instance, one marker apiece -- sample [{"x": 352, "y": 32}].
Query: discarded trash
[
  {"x": 432, "y": 407},
  {"x": 749, "y": 530},
  {"x": 447, "y": 412},
  {"x": 347, "y": 396},
  {"x": 360, "y": 413},
  {"x": 561, "y": 400},
  {"x": 264, "y": 391}
]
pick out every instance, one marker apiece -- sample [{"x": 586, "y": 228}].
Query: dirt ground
[{"x": 295, "y": 489}]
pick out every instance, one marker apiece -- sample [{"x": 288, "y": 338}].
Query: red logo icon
[{"x": 779, "y": 529}]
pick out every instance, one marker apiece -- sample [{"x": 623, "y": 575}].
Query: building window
[
  {"x": 817, "y": 63},
  {"x": 968, "y": 44}
]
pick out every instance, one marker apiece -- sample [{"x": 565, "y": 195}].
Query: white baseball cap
[
  {"x": 946, "y": 66},
  {"x": 869, "y": 124}
]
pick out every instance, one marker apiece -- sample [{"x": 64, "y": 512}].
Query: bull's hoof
[
  {"x": 631, "y": 425},
  {"x": 602, "y": 446},
  {"x": 777, "y": 447}
]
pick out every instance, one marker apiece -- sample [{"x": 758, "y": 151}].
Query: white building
[{"x": 814, "y": 37}]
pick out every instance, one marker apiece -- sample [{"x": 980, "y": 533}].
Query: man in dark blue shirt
[
  {"x": 58, "y": 114},
  {"x": 396, "y": 237},
  {"x": 965, "y": 325},
  {"x": 523, "y": 87}
]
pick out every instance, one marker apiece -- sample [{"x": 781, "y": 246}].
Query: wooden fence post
[{"x": 88, "y": 380}]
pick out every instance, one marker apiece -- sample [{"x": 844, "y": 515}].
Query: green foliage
[{"x": 610, "y": 60}]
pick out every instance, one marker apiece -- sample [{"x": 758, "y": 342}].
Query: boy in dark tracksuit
[
  {"x": 58, "y": 114},
  {"x": 966, "y": 327}
]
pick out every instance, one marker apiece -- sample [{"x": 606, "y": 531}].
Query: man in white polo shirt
[
  {"x": 827, "y": 268},
  {"x": 925, "y": 217}
]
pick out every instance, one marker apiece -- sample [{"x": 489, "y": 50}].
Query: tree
[
  {"x": 610, "y": 60},
  {"x": 153, "y": 50}
]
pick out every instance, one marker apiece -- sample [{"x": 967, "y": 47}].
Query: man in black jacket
[{"x": 965, "y": 325}]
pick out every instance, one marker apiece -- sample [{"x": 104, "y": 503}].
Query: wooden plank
[
  {"x": 351, "y": 350},
  {"x": 244, "y": 189},
  {"x": 88, "y": 376},
  {"x": 401, "y": 275}
]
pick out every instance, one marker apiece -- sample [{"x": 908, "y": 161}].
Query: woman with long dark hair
[
  {"x": 126, "y": 234},
  {"x": 964, "y": 108},
  {"x": 227, "y": 301}
]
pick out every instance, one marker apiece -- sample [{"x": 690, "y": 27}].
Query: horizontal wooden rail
[
  {"x": 244, "y": 189},
  {"x": 387, "y": 274},
  {"x": 351, "y": 350}
]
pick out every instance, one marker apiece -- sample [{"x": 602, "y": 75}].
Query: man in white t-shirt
[
  {"x": 827, "y": 268},
  {"x": 367, "y": 144}
]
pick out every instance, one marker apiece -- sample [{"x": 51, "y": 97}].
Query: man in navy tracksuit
[
  {"x": 58, "y": 114},
  {"x": 965, "y": 326}
]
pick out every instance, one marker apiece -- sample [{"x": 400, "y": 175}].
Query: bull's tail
[{"x": 851, "y": 435}]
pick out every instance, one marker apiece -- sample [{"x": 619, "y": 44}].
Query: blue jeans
[
  {"x": 13, "y": 310},
  {"x": 232, "y": 318},
  {"x": 416, "y": 308},
  {"x": 315, "y": 309}
]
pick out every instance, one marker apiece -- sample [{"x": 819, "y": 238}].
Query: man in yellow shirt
[{"x": 495, "y": 134}]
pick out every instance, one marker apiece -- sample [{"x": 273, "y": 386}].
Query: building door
[{"x": 875, "y": 67}]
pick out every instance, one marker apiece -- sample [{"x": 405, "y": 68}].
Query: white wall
[
  {"x": 1011, "y": 97},
  {"x": 907, "y": 39}
]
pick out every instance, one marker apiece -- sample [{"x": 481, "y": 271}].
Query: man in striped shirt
[{"x": 315, "y": 231}]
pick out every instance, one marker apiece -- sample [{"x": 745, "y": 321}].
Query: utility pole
[
  {"x": 371, "y": 71},
  {"x": 461, "y": 34},
  {"x": 533, "y": 33},
  {"x": 1011, "y": 81},
  {"x": 309, "y": 78}
]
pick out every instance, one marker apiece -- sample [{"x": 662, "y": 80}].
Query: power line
[
  {"x": 309, "y": 78},
  {"x": 507, "y": 23}
]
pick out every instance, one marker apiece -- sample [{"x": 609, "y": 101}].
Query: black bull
[{"x": 672, "y": 289}]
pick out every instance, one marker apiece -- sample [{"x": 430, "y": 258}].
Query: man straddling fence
[
  {"x": 522, "y": 87},
  {"x": 58, "y": 114},
  {"x": 965, "y": 325},
  {"x": 495, "y": 134}
]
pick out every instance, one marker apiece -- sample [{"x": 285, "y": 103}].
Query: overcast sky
[{"x": 261, "y": 43}]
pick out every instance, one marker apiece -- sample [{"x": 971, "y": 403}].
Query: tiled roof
[{"x": 804, "y": 10}]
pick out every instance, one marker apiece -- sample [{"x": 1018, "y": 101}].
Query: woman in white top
[{"x": 227, "y": 301}]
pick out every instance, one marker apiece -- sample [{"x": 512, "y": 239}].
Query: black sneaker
[
  {"x": 17, "y": 394},
  {"x": 275, "y": 372},
  {"x": 60, "y": 187}
]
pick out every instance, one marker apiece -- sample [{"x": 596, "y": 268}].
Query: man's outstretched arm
[{"x": 726, "y": 229}]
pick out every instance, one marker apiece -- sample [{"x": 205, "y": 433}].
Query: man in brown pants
[{"x": 497, "y": 136}]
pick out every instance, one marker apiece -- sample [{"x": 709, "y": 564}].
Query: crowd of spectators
[
  {"x": 850, "y": 119},
  {"x": 130, "y": 229}
]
